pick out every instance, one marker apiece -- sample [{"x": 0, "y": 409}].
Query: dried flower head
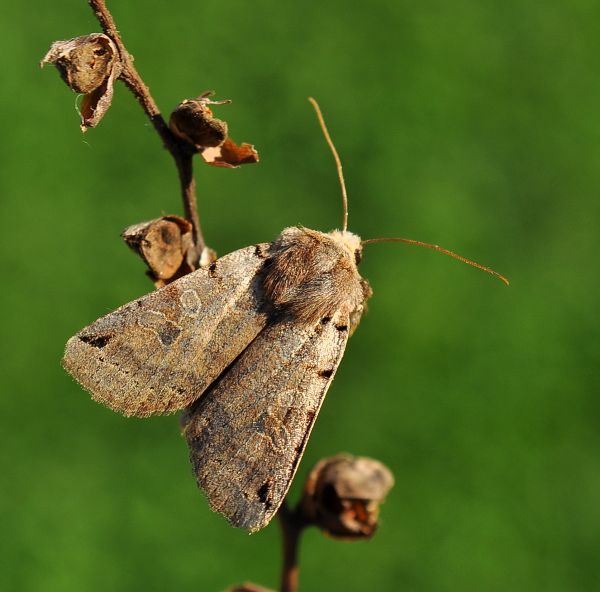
[
  {"x": 342, "y": 495},
  {"x": 89, "y": 65},
  {"x": 193, "y": 121},
  {"x": 164, "y": 245}
]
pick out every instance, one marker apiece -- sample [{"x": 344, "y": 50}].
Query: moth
[{"x": 248, "y": 347}]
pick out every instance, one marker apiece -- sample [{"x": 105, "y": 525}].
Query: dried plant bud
[
  {"x": 249, "y": 587},
  {"x": 193, "y": 121},
  {"x": 164, "y": 245},
  {"x": 89, "y": 65},
  {"x": 230, "y": 155},
  {"x": 342, "y": 495},
  {"x": 207, "y": 257}
]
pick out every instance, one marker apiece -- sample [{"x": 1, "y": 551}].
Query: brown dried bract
[
  {"x": 342, "y": 495},
  {"x": 230, "y": 155},
  {"x": 88, "y": 64},
  {"x": 164, "y": 244}
]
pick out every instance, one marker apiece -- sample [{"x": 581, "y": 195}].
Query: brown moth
[{"x": 248, "y": 346}]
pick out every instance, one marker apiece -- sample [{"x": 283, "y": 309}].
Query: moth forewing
[
  {"x": 247, "y": 433},
  {"x": 160, "y": 352}
]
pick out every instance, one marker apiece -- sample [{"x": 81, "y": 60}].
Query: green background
[{"x": 472, "y": 124}]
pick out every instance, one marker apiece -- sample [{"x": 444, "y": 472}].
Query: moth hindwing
[{"x": 247, "y": 433}]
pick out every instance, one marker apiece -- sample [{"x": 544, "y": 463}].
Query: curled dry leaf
[
  {"x": 342, "y": 495},
  {"x": 164, "y": 244},
  {"x": 193, "y": 121},
  {"x": 89, "y": 65}
]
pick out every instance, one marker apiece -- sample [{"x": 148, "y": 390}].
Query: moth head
[{"x": 350, "y": 242}]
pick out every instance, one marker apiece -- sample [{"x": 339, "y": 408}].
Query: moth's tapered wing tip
[
  {"x": 250, "y": 525},
  {"x": 74, "y": 351},
  {"x": 74, "y": 362},
  {"x": 78, "y": 360},
  {"x": 245, "y": 516}
]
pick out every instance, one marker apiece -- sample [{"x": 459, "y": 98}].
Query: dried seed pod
[
  {"x": 163, "y": 244},
  {"x": 193, "y": 121},
  {"x": 83, "y": 62},
  {"x": 342, "y": 495},
  {"x": 89, "y": 65}
]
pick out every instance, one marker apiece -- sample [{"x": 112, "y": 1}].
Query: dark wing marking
[
  {"x": 247, "y": 433},
  {"x": 159, "y": 353}
]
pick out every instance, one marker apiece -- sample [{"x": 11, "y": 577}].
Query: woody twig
[
  {"x": 292, "y": 523},
  {"x": 89, "y": 64},
  {"x": 181, "y": 151}
]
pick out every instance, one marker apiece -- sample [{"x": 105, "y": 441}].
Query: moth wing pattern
[
  {"x": 247, "y": 434},
  {"x": 160, "y": 352}
]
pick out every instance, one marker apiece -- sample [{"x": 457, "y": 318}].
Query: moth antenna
[
  {"x": 338, "y": 162},
  {"x": 409, "y": 241}
]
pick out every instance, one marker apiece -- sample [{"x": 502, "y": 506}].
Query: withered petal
[
  {"x": 230, "y": 155},
  {"x": 94, "y": 105}
]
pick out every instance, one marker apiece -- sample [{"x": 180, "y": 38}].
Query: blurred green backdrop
[{"x": 472, "y": 124}]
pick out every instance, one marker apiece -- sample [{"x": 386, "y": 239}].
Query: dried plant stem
[
  {"x": 179, "y": 150},
  {"x": 292, "y": 524}
]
